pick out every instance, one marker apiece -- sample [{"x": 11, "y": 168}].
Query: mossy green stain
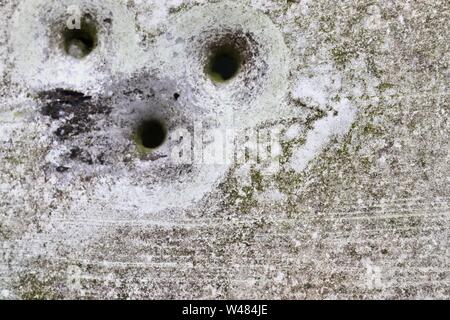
[{"x": 33, "y": 288}]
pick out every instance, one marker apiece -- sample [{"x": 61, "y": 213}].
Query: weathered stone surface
[{"x": 353, "y": 204}]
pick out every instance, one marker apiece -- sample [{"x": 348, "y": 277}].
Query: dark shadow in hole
[
  {"x": 224, "y": 63},
  {"x": 152, "y": 134},
  {"x": 79, "y": 43}
]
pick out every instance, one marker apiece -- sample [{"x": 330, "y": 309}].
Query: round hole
[
  {"x": 152, "y": 134},
  {"x": 224, "y": 63},
  {"x": 79, "y": 43}
]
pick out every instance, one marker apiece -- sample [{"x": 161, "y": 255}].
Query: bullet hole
[
  {"x": 79, "y": 43},
  {"x": 228, "y": 53},
  {"x": 224, "y": 63},
  {"x": 151, "y": 134},
  {"x": 176, "y": 96}
]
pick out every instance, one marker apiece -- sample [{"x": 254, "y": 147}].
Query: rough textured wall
[{"x": 350, "y": 101}]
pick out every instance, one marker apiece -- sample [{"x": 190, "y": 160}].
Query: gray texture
[{"x": 356, "y": 207}]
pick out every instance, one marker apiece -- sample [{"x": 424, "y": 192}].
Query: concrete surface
[{"x": 353, "y": 202}]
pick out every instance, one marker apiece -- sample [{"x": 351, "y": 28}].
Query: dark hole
[
  {"x": 225, "y": 66},
  {"x": 224, "y": 63},
  {"x": 176, "y": 96},
  {"x": 79, "y": 43},
  {"x": 152, "y": 134}
]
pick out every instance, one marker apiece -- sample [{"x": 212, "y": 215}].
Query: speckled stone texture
[{"x": 353, "y": 203}]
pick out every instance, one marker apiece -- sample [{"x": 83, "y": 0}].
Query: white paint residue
[
  {"x": 271, "y": 195},
  {"x": 323, "y": 130},
  {"x": 293, "y": 131},
  {"x": 317, "y": 89},
  {"x": 373, "y": 275}
]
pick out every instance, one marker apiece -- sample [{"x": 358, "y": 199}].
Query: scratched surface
[{"x": 355, "y": 207}]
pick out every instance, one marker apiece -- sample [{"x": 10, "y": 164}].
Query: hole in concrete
[
  {"x": 224, "y": 62},
  {"x": 79, "y": 43},
  {"x": 151, "y": 134}
]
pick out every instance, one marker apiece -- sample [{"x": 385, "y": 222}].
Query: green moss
[
  {"x": 366, "y": 163},
  {"x": 14, "y": 160},
  {"x": 370, "y": 129},
  {"x": 33, "y": 288},
  {"x": 247, "y": 201},
  {"x": 385, "y": 86},
  {"x": 139, "y": 146},
  {"x": 327, "y": 24},
  {"x": 174, "y": 10},
  {"x": 336, "y": 98},
  {"x": 257, "y": 179},
  {"x": 287, "y": 151},
  {"x": 242, "y": 198},
  {"x": 372, "y": 67},
  {"x": 18, "y": 114},
  {"x": 343, "y": 54}
]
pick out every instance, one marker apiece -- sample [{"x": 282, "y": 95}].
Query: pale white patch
[
  {"x": 317, "y": 86},
  {"x": 293, "y": 131},
  {"x": 324, "y": 130},
  {"x": 4, "y": 294},
  {"x": 271, "y": 195},
  {"x": 373, "y": 275}
]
